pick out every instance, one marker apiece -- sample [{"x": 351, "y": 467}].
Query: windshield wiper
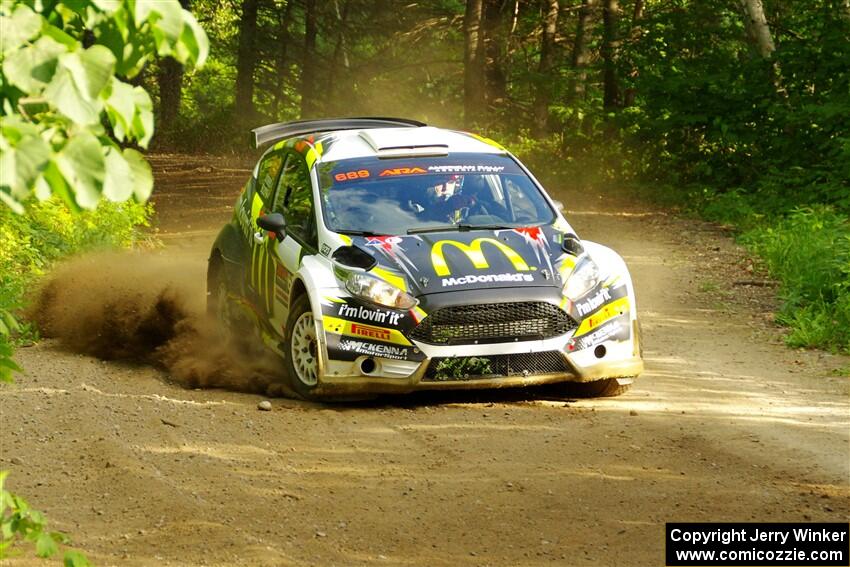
[
  {"x": 487, "y": 227},
  {"x": 360, "y": 233},
  {"x": 457, "y": 227},
  {"x": 439, "y": 228}
]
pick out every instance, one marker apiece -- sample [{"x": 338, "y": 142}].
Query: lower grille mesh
[
  {"x": 499, "y": 365},
  {"x": 492, "y": 322}
]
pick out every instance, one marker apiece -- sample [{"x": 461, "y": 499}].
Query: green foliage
[
  {"x": 63, "y": 64},
  {"x": 809, "y": 253},
  {"x": 8, "y": 326},
  {"x": 31, "y": 243},
  {"x": 462, "y": 367},
  {"x": 710, "y": 112},
  {"x": 19, "y": 522}
]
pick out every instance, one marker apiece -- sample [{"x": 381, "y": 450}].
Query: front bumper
[{"x": 621, "y": 360}]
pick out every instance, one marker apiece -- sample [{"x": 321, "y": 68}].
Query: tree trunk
[
  {"x": 282, "y": 62},
  {"x": 543, "y": 95},
  {"x": 495, "y": 76},
  {"x": 170, "y": 80},
  {"x": 339, "y": 79},
  {"x": 473, "y": 63},
  {"x": 581, "y": 54},
  {"x": 610, "y": 44},
  {"x": 246, "y": 60},
  {"x": 308, "y": 65},
  {"x": 757, "y": 28},
  {"x": 634, "y": 34}
]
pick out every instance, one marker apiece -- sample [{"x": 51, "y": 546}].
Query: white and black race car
[{"x": 382, "y": 255}]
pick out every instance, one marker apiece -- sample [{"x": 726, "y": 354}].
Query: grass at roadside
[
  {"x": 30, "y": 244},
  {"x": 806, "y": 249}
]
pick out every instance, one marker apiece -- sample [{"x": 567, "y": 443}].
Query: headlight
[
  {"x": 582, "y": 280},
  {"x": 378, "y": 291}
]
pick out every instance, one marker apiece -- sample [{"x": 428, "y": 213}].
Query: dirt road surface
[{"x": 726, "y": 424}]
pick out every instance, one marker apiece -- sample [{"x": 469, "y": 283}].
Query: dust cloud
[{"x": 149, "y": 308}]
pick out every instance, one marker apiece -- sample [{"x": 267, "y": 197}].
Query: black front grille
[
  {"x": 499, "y": 365},
  {"x": 493, "y": 322}
]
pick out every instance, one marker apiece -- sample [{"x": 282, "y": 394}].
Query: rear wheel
[
  {"x": 234, "y": 330},
  {"x": 302, "y": 349}
]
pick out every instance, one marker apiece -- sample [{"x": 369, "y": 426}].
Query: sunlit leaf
[
  {"x": 91, "y": 69},
  {"x": 83, "y": 168},
  {"x": 121, "y": 108},
  {"x": 167, "y": 24},
  {"x": 23, "y": 158},
  {"x": 142, "y": 175},
  {"x": 194, "y": 44},
  {"x": 143, "y": 120},
  {"x": 45, "y": 546},
  {"x": 118, "y": 181},
  {"x": 75, "y": 559},
  {"x": 32, "y": 67},
  {"x": 16, "y": 29}
]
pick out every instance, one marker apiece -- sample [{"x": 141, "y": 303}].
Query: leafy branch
[{"x": 65, "y": 106}]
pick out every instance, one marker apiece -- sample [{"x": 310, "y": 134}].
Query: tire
[
  {"x": 607, "y": 388},
  {"x": 302, "y": 350},
  {"x": 235, "y": 331}
]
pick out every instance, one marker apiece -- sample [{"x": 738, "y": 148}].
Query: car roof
[
  {"x": 388, "y": 143},
  {"x": 401, "y": 142}
]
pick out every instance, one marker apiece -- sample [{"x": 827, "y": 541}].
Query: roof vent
[{"x": 407, "y": 142}]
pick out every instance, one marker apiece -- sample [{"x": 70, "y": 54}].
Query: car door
[
  {"x": 294, "y": 200},
  {"x": 260, "y": 276}
]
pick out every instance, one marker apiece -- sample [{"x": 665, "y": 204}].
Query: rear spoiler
[{"x": 283, "y": 130}]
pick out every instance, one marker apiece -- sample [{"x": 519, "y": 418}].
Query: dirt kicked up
[{"x": 726, "y": 424}]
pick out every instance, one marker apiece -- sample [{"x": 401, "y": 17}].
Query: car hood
[{"x": 477, "y": 259}]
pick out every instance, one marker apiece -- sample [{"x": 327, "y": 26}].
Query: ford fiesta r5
[{"x": 382, "y": 255}]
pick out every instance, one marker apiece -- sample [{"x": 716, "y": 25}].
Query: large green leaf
[
  {"x": 91, "y": 69},
  {"x": 142, "y": 175},
  {"x": 83, "y": 167},
  {"x": 118, "y": 181},
  {"x": 194, "y": 45},
  {"x": 121, "y": 108},
  {"x": 143, "y": 120},
  {"x": 17, "y": 28},
  {"x": 24, "y": 155},
  {"x": 166, "y": 21},
  {"x": 45, "y": 545},
  {"x": 130, "y": 111},
  {"x": 80, "y": 77},
  {"x": 32, "y": 67}
]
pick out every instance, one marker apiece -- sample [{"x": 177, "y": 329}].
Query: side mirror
[
  {"x": 354, "y": 257},
  {"x": 572, "y": 245},
  {"x": 274, "y": 223},
  {"x": 558, "y": 205}
]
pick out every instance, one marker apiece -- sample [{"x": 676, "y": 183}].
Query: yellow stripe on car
[
  {"x": 390, "y": 278},
  {"x": 608, "y": 312},
  {"x": 363, "y": 331}
]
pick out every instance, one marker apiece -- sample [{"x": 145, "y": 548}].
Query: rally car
[{"x": 378, "y": 255}]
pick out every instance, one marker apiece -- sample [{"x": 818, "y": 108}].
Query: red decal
[
  {"x": 402, "y": 171},
  {"x": 371, "y": 332},
  {"x": 349, "y": 175}
]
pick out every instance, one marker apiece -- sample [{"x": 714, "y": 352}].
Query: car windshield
[{"x": 410, "y": 195}]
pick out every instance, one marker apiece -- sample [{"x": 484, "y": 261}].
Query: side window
[
  {"x": 282, "y": 187},
  {"x": 267, "y": 175},
  {"x": 294, "y": 199}
]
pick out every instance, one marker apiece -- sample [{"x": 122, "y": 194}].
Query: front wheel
[
  {"x": 302, "y": 349},
  {"x": 607, "y": 388}
]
